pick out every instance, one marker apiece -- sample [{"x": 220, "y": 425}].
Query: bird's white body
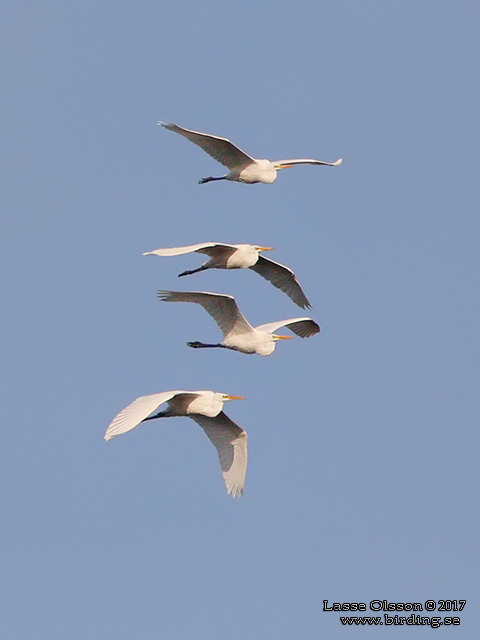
[
  {"x": 238, "y": 333},
  {"x": 243, "y": 168},
  {"x": 259, "y": 171},
  {"x": 205, "y": 407},
  {"x": 244, "y": 256},
  {"x": 241, "y": 256},
  {"x": 254, "y": 341},
  {"x": 207, "y": 403}
]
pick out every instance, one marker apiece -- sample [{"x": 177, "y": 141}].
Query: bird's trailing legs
[
  {"x": 202, "y": 345},
  {"x": 188, "y": 273},
  {"x": 204, "y": 180}
]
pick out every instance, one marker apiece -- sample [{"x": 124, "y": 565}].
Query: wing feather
[
  {"x": 230, "y": 442},
  {"x": 208, "y": 248},
  {"x": 220, "y": 252},
  {"x": 138, "y": 410},
  {"x": 178, "y": 251},
  {"x": 220, "y": 149},
  {"x": 302, "y": 327},
  {"x": 281, "y": 277},
  {"x": 281, "y": 163},
  {"x": 222, "y": 308}
]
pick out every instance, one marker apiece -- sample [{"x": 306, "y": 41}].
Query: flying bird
[
  {"x": 241, "y": 256},
  {"x": 238, "y": 333},
  {"x": 206, "y": 408},
  {"x": 243, "y": 168}
]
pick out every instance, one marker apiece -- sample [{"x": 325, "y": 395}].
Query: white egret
[
  {"x": 241, "y": 256},
  {"x": 238, "y": 333},
  {"x": 205, "y": 407},
  {"x": 243, "y": 168}
]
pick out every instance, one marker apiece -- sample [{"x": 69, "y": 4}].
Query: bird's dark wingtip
[{"x": 304, "y": 304}]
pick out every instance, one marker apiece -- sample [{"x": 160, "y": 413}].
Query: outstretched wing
[
  {"x": 209, "y": 248},
  {"x": 281, "y": 277},
  {"x": 302, "y": 327},
  {"x": 220, "y": 149},
  {"x": 221, "y": 307},
  {"x": 220, "y": 252},
  {"x": 290, "y": 163},
  {"x": 230, "y": 442},
  {"x": 138, "y": 410}
]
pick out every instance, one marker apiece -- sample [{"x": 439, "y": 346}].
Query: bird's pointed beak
[
  {"x": 283, "y": 166},
  {"x": 284, "y": 337},
  {"x": 265, "y": 248},
  {"x": 237, "y": 397}
]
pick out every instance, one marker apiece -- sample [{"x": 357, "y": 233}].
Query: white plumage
[
  {"x": 241, "y": 256},
  {"x": 205, "y": 407},
  {"x": 238, "y": 333},
  {"x": 243, "y": 168}
]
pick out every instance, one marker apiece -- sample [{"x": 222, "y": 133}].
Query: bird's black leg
[
  {"x": 202, "y": 345},
  {"x": 204, "y": 180},
  {"x": 188, "y": 273}
]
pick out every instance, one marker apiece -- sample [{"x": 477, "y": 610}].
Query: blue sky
[{"x": 363, "y": 441}]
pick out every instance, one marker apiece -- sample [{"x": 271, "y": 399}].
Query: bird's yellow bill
[
  {"x": 283, "y": 166},
  {"x": 284, "y": 337},
  {"x": 265, "y": 248},
  {"x": 237, "y": 397}
]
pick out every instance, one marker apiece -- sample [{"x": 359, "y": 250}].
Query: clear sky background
[{"x": 363, "y": 441}]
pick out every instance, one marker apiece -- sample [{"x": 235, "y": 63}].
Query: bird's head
[
  {"x": 267, "y": 346},
  {"x": 277, "y": 337},
  {"x": 226, "y": 396}
]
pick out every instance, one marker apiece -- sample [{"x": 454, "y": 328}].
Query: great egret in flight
[
  {"x": 241, "y": 256},
  {"x": 238, "y": 333},
  {"x": 205, "y": 407},
  {"x": 243, "y": 168}
]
